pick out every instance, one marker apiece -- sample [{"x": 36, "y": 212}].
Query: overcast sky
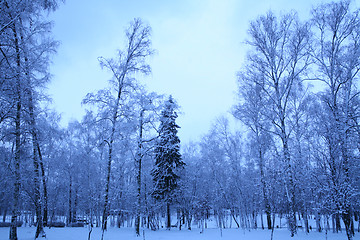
[{"x": 199, "y": 47}]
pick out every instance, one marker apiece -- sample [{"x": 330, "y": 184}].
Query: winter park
[{"x": 179, "y": 119}]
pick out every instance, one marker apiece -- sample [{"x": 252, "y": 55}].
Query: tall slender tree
[
  {"x": 146, "y": 136},
  {"x": 251, "y": 113},
  {"x": 168, "y": 160},
  {"x": 131, "y": 61},
  {"x": 279, "y": 58}
]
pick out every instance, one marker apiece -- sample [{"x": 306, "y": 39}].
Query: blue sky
[{"x": 199, "y": 47}]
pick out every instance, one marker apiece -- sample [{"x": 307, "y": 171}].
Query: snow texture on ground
[{"x": 27, "y": 233}]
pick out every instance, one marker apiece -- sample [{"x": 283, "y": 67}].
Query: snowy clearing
[{"x": 27, "y": 233}]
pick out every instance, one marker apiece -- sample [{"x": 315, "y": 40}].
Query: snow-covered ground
[{"x": 27, "y": 233}]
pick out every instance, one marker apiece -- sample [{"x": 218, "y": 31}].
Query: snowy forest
[{"x": 291, "y": 160}]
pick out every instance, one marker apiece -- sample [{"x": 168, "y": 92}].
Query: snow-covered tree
[
  {"x": 168, "y": 160},
  {"x": 251, "y": 113},
  {"x": 336, "y": 54},
  {"x": 279, "y": 57},
  {"x": 113, "y": 103},
  {"x": 147, "y": 106},
  {"x": 24, "y": 60}
]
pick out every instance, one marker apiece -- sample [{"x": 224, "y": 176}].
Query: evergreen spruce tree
[{"x": 167, "y": 158}]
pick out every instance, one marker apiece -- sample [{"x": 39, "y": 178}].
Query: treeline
[
  {"x": 304, "y": 138},
  {"x": 296, "y": 153}
]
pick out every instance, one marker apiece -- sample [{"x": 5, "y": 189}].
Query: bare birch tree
[
  {"x": 148, "y": 105},
  {"x": 337, "y": 56},
  {"x": 280, "y": 48},
  {"x": 131, "y": 60},
  {"x": 251, "y": 113}
]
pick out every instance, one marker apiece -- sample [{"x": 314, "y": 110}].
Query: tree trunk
[
  {"x": 318, "y": 223},
  {"x": 290, "y": 187},
  {"x": 98, "y": 218},
  {"x": 43, "y": 179},
  {"x": 70, "y": 216},
  {"x": 138, "y": 161},
  {"x": 107, "y": 186},
  {"x": 38, "y": 201},
  {"x": 273, "y": 227},
  {"x": 15, "y": 209},
  {"x": 268, "y": 218},
  {"x": 178, "y": 215},
  {"x": 254, "y": 214},
  {"x": 237, "y": 223},
  {"x": 306, "y": 220},
  {"x": 347, "y": 222},
  {"x": 188, "y": 219},
  {"x": 4, "y": 215},
  {"x": 38, "y": 208},
  {"x": 76, "y": 201},
  {"x": 337, "y": 222},
  {"x": 168, "y": 214},
  {"x": 264, "y": 190},
  {"x": 13, "y": 230}
]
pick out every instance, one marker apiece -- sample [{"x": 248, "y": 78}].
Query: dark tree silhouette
[{"x": 167, "y": 158}]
